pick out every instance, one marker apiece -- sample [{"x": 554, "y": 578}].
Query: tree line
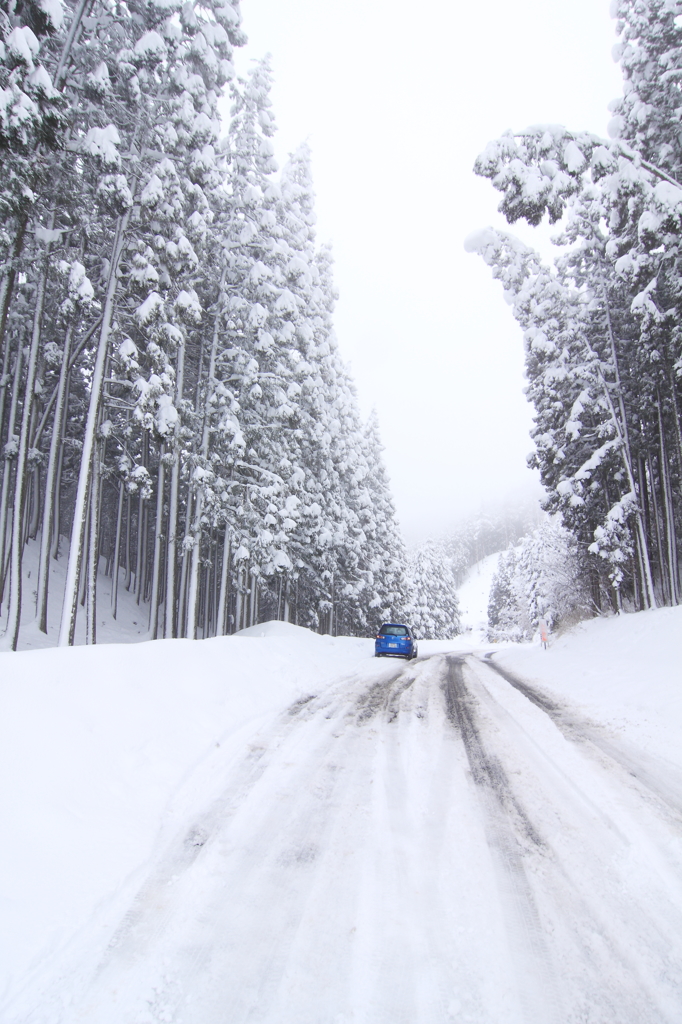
[
  {"x": 174, "y": 410},
  {"x": 601, "y": 326}
]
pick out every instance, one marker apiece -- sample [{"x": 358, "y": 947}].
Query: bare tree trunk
[
  {"x": 224, "y": 577},
  {"x": 129, "y": 531},
  {"x": 4, "y": 381},
  {"x": 75, "y": 550},
  {"x": 196, "y": 549},
  {"x": 35, "y": 503},
  {"x": 182, "y": 602},
  {"x": 53, "y": 397},
  {"x": 58, "y": 484},
  {"x": 171, "y": 603},
  {"x": 117, "y": 552},
  {"x": 213, "y": 625},
  {"x": 83, "y": 575},
  {"x": 206, "y": 595},
  {"x": 285, "y": 617},
  {"x": 7, "y": 472},
  {"x": 58, "y": 505},
  {"x": 93, "y": 554},
  {"x": 656, "y": 535},
  {"x": 7, "y": 284},
  {"x": 74, "y": 29},
  {"x": 621, "y": 425},
  {"x": 170, "y": 606},
  {"x": 14, "y": 611},
  {"x": 158, "y": 538},
  {"x": 669, "y": 513},
  {"x": 50, "y": 486},
  {"x": 239, "y": 602},
  {"x": 194, "y": 569},
  {"x": 138, "y": 547}
]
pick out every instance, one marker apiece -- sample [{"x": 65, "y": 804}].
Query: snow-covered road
[{"x": 430, "y": 845}]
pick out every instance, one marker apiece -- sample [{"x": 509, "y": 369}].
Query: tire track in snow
[
  {"x": 578, "y": 729},
  {"x": 512, "y": 836},
  {"x": 348, "y": 704},
  {"x": 609, "y": 890}
]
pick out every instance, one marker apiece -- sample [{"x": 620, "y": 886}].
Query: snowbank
[
  {"x": 622, "y": 671},
  {"x": 101, "y": 747}
]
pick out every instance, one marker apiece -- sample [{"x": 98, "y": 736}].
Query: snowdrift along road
[{"x": 421, "y": 843}]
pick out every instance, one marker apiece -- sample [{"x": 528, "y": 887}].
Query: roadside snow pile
[
  {"x": 474, "y": 594},
  {"x": 275, "y": 628},
  {"x": 622, "y": 671},
  {"x": 102, "y": 747}
]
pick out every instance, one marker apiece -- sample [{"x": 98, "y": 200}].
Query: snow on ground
[
  {"x": 624, "y": 671},
  {"x": 474, "y": 594},
  {"x": 130, "y": 626},
  {"x": 96, "y": 745},
  {"x": 277, "y": 828}
]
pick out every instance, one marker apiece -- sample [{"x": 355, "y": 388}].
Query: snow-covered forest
[
  {"x": 602, "y": 325},
  {"x": 174, "y": 409}
]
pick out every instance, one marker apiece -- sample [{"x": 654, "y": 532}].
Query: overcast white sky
[{"x": 396, "y": 100}]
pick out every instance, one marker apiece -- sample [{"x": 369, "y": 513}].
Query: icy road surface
[{"x": 443, "y": 844}]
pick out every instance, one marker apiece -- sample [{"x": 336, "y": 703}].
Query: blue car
[{"x": 395, "y": 640}]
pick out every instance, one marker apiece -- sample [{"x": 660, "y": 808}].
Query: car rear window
[{"x": 394, "y": 630}]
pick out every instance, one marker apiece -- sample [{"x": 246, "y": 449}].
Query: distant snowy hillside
[{"x": 474, "y": 594}]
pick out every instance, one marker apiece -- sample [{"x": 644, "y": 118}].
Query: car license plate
[{"x": 392, "y": 645}]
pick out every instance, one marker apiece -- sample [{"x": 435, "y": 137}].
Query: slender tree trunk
[
  {"x": 74, "y": 30},
  {"x": 158, "y": 539},
  {"x": 75, "y": 550},
  {"x": 239, "y": 602},
  {"x": 57, "y": 506},
  {"x": 676, "y": 417},
  {"x": 117, "y": 551},
  {"x": 8, "y": 280},
  {"x": 35, "y": 503},
  {"x": 93, "y": 553},
  {"x": 54, "y": 396},
  {"x": 286, "y": 601},
  {"x": 129, "y": 530},
  {"x": 4, "y": 382},
  {"x": 205, "y": 618},
  {"x": 182, "y": 602},
  {"x": 14, "y": 611},
  {"x": 140, "y": 550},
  {"x": 214, "y": 590},
  {"x": 58, "y": 484},
  {"x": 669, "y": 512},
  {"x": 224, "y": 577},
  {"x": 194, "y": 568},
  {"x": 626, "y": 451},
  {"x": 656, "y": 535},
  {"x": 50, "y": 487},
  {"x": 82, "y": 570},
  {"x": 138, "y": 546},
  {"x": 7, "y": 472},
  {"x": 171, "y": 603},
  {"x": 196, "y": 549}
]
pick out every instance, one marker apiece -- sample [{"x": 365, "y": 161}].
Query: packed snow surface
[{"x": 278, "y": 828}]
